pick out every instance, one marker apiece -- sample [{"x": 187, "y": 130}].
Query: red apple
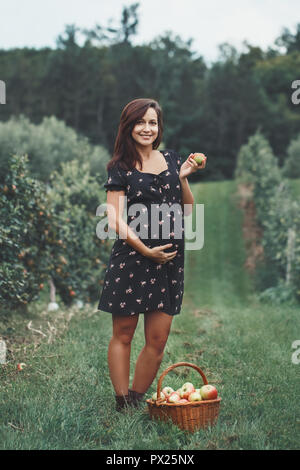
[
  {"x": 167, "y": 391},
  {"x": 183, "y": 400},
  {"x": 21, "y": 365},
  {"x": 186, "y": 389},
  {"x": 208, "y": 392},
  {"x": 195, "y": 396},
  {"x": 173, "y": 398}
]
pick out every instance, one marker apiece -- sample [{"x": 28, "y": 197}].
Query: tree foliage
[
  {"x": 47, "y": 145},
  {"x": 206, "y": 109},
  {"x": 276, "y": 213}
]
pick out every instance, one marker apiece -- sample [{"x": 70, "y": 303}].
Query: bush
[
  {"x": 276, "y": 213},
  {"x": 79, "y": 261},
  {"x": 48, "y": 145},
  {"x": 281, "y": 293},
  {"x": 24, "y": 224},
  {"x": 49, "y": 232},
  {"x": 291, "y": 167},
  {"x": 251, "y": 156}
]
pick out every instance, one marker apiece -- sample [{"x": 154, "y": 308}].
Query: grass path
[{"x": 63, "y": 399}]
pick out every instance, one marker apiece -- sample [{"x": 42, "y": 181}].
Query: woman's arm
[
  {"x": 186, "y": 169},
  {"x": 186, "y": 196}
]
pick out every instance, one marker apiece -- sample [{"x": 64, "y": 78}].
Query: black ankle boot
[
  {"x": 122, "y": 401},
  {"x": 135, "y": 398}
]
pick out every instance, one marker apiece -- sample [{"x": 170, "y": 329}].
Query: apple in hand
[
  {"x": 186, "y": 389},
  {"x": 199, "y": 158},
  {"x": 174, "y": 398},
  {"x": 167, "y": 391},
  {"x": 195, "y": 396},
  {"x": 208, "y": 392},
  {"x": 154, "y": 396}
]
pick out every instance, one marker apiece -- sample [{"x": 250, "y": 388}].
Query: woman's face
[{"x": 145, "y": 130}]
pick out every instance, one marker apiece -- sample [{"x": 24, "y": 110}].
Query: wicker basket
[{"x": 188, "y": 416}]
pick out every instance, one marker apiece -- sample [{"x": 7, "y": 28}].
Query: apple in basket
[
  {"x": 174, "y": 398},
  {"x": 154, "y": 396},
  {"x": 183, "y": 400},
  {"x": 195, "y": 396},
  {"x": 208, "y": 392},
  {"x": 167, "y": 391},
  {"x": 186, "y": 389}
]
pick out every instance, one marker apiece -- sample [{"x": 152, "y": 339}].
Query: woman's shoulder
[{"x": 174, "y": 155}]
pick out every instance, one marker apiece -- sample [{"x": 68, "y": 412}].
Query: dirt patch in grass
[{"x": 252, "y": 233}]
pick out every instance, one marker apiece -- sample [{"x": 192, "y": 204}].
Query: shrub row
[
  {"x": 277, "y": 214},
  {"x": 49, "y": 231}
]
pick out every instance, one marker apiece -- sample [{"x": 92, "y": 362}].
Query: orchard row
[
  {"x": 277, "y": 215},
  {"x": 47, "y": 232}
]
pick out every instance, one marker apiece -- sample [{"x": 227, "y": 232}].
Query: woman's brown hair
[{"x": 125, "y": 152}]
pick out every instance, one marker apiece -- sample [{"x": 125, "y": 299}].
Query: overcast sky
[{"x": 37, "y": 23}]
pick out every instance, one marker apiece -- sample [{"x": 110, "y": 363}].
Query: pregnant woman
[{"x": 145, "y": 272}]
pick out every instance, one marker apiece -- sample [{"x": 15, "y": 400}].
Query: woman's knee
[
  {"x": 124, "y": 337},
  {"x": 124, "y": 331},
  {"x": 157, "y": 343}
]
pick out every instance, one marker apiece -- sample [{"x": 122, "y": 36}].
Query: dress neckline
[{"x": 155, "y": 174}]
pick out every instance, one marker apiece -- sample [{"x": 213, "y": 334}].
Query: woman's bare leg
[
  {"x": 119, "y": 352},
  {"x": 157, "y": 327}
]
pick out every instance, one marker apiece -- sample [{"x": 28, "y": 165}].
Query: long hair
[{"x": 125, "y": 152}]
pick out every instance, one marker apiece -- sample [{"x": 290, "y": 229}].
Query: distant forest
[{"x": 210, "y": 109}]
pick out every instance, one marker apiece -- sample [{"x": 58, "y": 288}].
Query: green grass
[
  {"x": 295, "y": 187},
  {"x": 63, "y": 399}
]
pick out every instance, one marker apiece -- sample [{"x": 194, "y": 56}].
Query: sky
[{"x": 37, "y": 23}]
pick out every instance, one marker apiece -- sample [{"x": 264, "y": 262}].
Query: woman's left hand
[{"x": 190, "y": 166}]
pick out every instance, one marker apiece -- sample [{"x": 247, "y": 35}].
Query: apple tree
[
  {"x": 79, "y": 257},
  {"x": 24, "y": 220},
  {"x": 276, "y": 213}
]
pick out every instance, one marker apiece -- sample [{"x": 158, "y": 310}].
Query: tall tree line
[{"x": 206, "y": 109}]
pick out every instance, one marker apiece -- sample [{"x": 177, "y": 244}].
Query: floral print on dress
[{"x": 134, "y": 283}]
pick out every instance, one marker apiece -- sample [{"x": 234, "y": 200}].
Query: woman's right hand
[{"x": 157, "y": 254}]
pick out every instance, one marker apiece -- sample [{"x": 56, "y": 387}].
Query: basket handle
[{"x": 166, "y": 371}]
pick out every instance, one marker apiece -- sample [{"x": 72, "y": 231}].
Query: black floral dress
[{"x": 133, "y": 283}]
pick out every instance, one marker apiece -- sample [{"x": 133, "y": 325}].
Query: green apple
[
  {"x": 154, "y": 396},
  {"x": 195, "y": 396},
  {"x": 167, "y": 391},
  {"x": 186, "y": 389},
  {"x": 199, "y": 158}
]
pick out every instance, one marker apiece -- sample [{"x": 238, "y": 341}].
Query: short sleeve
[{"x": 116, "y": 180}]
